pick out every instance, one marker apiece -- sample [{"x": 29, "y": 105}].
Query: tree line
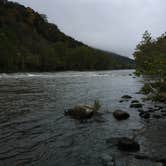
[{"x": 150, "y": 57}]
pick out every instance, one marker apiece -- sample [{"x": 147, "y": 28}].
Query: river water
[{"x": 34, "y": 130}]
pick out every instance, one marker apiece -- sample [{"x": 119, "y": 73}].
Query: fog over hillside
[{"x": 113, "y": 25}]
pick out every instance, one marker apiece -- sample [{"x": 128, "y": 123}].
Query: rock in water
[
  {"x": 107, "y": 160},
  {"x": 141, "y": 156},
  {"x": 121, "y": 115},
  {"x": 144, "y": 115},
  {"x": 136, "y": 105},
  {"x": 134, "y": 101},
  {"x": 127, "y": 144},
  {"x": 81, "y": 112},
  {"x": 126, "y": 97},
  {"x": 159, "y": 164},
  {"x": 157, "y": 116}
]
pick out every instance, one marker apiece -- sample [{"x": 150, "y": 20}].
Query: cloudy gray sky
[{"x": 113, "y": 25}]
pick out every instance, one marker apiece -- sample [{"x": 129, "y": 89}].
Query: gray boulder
[
  {"x": 84, "y": 111},
  {"x": 134, "y": 101}
]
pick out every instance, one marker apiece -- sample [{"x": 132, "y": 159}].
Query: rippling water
[{"x": 34, "y": 130}]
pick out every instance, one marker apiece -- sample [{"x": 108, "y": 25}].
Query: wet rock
[
  {"x": 162, "y": 99},
  {"x": 107, "y": 160},
  {"x": 98, "y": 118},
  {"x": 141, "y": 110},
  {"x": 112, "y": 141},
  {"x": 81, "y": 111},
  {"x": 121, "y": 115},
  {"x": 157, "y": 116},
  {"x": 164, "y": 114},
  {"x": 144, "y": 115},
  {"x": 126, "y": 97},
  {"x": 134, "y": 101},
  {"x": 136, "y": 105},
  {"x": 151, "y": 109},
  {"x": 158, "y": 107},
  {"x": 127, "y": 144},
  {"x": 160, "y": 160},
  {"x": 156, "y": 162},
  {"x": 141, "y": 156},
  {"x": 159, "y": 164},
  {"x": 163, "y": 110}
]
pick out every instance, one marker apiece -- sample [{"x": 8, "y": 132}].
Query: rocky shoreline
[{"x": 133, "y": 148}]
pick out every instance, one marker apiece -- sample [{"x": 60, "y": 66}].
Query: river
[{"x": 34, "y": 130}]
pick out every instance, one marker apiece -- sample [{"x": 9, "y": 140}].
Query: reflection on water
[{"x": 34, "y": 130}]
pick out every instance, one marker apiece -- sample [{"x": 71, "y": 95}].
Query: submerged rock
[
  {"x": 158, "y": 107},
  {"x": 163, "y": 110},
  {"x": 157, "y": 116},
  {"x": 141, "y": 110},
  {"x": 150, "y": 109},
  {"x": 135, "y": 101},
  {"x": 81, "y": 111},
  {"x": 121, "y": 115},
  {"x": 159, "y": 164},
  {"x": 145, "y": 115},
  {"x": 141, "y": 156},
  {"x": 164, "y": 114},
  {"x": 126, "y": 97},
  {"x": 136, "y": 105},
  {"x": 107, "y": 160},
  {"x": 127, "y": 144}
]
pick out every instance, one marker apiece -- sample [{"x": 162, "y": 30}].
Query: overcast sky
[{"x": 113, "y": 25}]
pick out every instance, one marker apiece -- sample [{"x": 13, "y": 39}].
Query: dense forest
[
  {"x": 29, "y": 43},
  {"x": 150, "y": 57}
]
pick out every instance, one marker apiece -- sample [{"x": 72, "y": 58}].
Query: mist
[{"x": 112, "y": 25}]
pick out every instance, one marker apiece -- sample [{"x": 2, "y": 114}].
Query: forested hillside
[{"x": 29, "y": 43}]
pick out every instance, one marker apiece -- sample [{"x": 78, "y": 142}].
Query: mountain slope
[{"x": 29, "y": 43}]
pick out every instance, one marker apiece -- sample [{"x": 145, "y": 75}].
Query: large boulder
[
  {"x": 121, "y": 115},
  {"x": 127, "y": 144},
  {"x": 84, "y": 111},
  {"x": 81, "y": 111}
]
